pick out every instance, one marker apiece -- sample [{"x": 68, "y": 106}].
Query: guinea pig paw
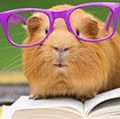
[
  {"x": 35, "y": 97},
  {"x": 84, "y": 98}
]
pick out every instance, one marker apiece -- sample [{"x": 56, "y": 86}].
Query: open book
[{"x": 104, "y": 105}]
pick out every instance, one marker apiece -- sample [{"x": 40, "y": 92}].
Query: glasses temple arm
[
  {"x": 119, "y": 9},
  {"x": 14, "y": 19},
  {"x": 109, "y": 18}
]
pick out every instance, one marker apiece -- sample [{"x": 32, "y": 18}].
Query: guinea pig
[{"x": 66, "y": 66}]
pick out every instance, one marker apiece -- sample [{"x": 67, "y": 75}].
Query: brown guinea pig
[{"x": 66, "y": 66}]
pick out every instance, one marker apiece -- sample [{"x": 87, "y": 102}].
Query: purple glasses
[{"x": 42, "y": 24}]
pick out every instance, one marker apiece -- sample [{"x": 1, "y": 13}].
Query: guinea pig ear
[
  {"x": 33, "y": 23},
  {"x": 89, "y": 26}
]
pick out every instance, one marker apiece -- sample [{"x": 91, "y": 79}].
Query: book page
[
  {"x": 45, "y": 113},
  {"x": 25, "y": 103},
  {"x": 4, "y": 112},
  {"x": 90, "y": 104},
  {"x": 106, "y": 109}
]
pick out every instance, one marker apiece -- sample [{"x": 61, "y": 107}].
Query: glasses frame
[{"x": 65, "y": 14}]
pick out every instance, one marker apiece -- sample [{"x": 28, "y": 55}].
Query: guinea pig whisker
[
  {"x": 12, "y": 62},
  {"x": 34, "y": 50},
  {"x": 30, "y": 69},
  {"x": 26, "y": 62},
  {"x": 8, "y": 47},
  {"x": 11, "y": 65},
  {"x": 11, "y": 69},
  {"x": 32, "y": 54},
  {"x": 20, "y": 33}
]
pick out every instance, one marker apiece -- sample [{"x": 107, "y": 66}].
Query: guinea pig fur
[{"x": 66, "y": 66}]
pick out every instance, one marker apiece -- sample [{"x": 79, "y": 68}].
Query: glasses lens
[
  {"x": 28, "y": 28},
  {"x": 92, "y": 23}
]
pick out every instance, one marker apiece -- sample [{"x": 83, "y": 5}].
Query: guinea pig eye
[
  {"x": 77, "y": 31},
  {"x": 46, "y": 31}
]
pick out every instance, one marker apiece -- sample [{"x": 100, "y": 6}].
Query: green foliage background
[{"x": 10, "y": 57}]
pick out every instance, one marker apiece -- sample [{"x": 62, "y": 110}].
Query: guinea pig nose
[{"x": 64, "y": 49}]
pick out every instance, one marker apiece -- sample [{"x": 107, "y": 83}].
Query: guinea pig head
[{"x": 62, "y": 56}]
